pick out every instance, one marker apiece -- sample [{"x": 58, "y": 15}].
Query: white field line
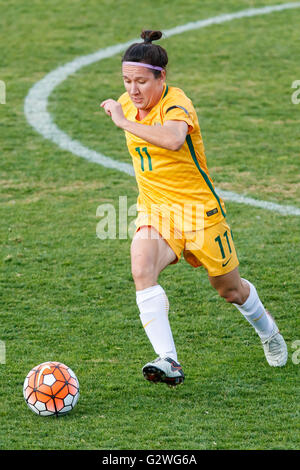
[{"x": 36, "y": 103}]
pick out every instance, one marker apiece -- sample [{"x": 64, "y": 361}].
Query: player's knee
[
  {"x": 230, "y": 295},
  {"x": 142, "y": 271}
]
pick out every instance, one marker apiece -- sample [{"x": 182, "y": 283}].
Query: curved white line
[
  {"x": 41, "y": 371},
  {"x": 36, "y": 103}
]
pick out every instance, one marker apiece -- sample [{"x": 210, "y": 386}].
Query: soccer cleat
[
  {"x": 275, "y": 348},
  {"x": 164, "y": 370}
]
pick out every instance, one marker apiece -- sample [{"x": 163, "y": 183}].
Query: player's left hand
[{"x": 115, "y": 111}]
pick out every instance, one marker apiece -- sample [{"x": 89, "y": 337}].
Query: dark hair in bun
[
  {"x": 150, "y": 36},
  {"x": 147, "y": 52}
]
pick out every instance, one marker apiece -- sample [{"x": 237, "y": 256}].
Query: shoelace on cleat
[{"x": 273, "y": 345}]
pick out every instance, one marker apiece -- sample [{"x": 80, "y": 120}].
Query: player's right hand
[{"x": 115, "y": 111}]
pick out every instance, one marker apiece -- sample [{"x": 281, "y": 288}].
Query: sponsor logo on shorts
[{"x": 212, "y": 212}]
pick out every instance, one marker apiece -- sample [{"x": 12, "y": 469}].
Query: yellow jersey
[{"x": 177, "y": 179}]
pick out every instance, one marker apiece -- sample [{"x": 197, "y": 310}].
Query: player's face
[{"x": 143, "y": 88}]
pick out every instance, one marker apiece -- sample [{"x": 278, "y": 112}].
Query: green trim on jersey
[
  {"x": 204, "y": 175},
  {"x": 166, "y": 92}
]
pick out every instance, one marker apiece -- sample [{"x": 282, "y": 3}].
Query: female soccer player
[{"x": 179, "y": 210}]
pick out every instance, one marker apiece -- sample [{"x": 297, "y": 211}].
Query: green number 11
[
  {"x": 219, "y": 241},
  {"x": 144, "y": 149}
]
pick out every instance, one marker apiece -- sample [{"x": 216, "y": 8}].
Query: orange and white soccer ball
[{"x": 51, "y": 388}]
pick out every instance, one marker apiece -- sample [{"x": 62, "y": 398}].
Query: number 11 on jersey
[{"x": 145, "y": 151}]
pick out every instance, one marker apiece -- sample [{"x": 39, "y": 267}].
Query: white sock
[
  {"x": 154, "y": 308},
  {"x": 255, "y": 313}
]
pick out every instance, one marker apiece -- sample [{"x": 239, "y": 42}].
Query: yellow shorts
[{"x": 212, "y": 247}]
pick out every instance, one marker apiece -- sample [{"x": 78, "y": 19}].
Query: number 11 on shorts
[{"x": 219, "y": 241}]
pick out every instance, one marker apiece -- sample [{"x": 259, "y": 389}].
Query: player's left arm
[{"x": 171, "y": 135}]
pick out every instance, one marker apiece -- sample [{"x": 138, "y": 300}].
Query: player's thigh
[
  {"x": 213, "y": 248},
  {"x": 150, "y": 252}
]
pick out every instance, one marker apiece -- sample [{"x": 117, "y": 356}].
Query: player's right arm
[{"x": 170, "y": 136}]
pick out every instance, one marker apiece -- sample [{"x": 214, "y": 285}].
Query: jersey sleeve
[
  {"x": 125, "y": 102},
  {"x": 123, "y": 98},
  {"x": 179, "y": 108}
]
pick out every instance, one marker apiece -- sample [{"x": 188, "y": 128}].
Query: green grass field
[{"x": 68, "y": 296}]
